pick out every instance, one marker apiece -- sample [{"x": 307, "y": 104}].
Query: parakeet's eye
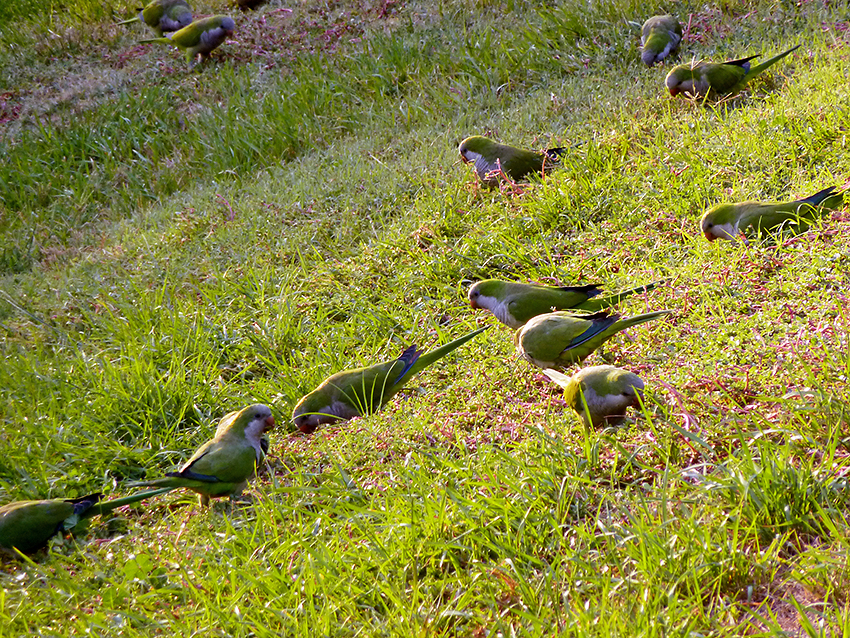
[{"x": 711, "y": 225}]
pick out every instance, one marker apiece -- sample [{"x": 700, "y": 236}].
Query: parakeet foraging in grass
[
  {"x": 716, "y": 79},
  {"x": 28, "y": 525},
  {"x": 600, "y": 394},
  {"x": 660, "y": 36},
  {"x": 491, "y": 159},
  {"x": 164, "y": 16},
  {"x": 200, "y": 37},
  {"x": 363, "y": 391},
  {"x": 513, "y": 304},
  {"x": 558, "y": 339},
  {"x": 223, "y": 465},
  {"x": 726, "y": 221}
]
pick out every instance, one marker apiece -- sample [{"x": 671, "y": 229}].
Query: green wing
[
  {"x": 725, "y": 77},
  {"x": 542, "y": 299},
  {"x": 226, "y": 460}
]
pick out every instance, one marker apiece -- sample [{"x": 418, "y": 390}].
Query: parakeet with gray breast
[
  {"x": 164, "y": 16},
  {"x": 201, "y": 37},
  {"x": 660, "y": 36},
  {"x": 493, "y": 160},
  {"x": 362, "y": 391},
  {"x": 223, "y": 465},
  {"x": 559, "y": 339},
  {"x": 514, "y": 303},
  {"x": 600, "y": 395},
  {"x": 717, "y": 79},
  {"x": 28, "y": 525},
  {"x": 728, "y": 221}
]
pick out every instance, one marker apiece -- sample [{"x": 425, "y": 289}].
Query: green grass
[{"x": 178, "y": 244}]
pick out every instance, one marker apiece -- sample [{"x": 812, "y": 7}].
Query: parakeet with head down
[
  {"x": 727, "y": 221},
  {"x": 223, "y": 465},
  {"x": 559, "y": 339},
  {"x": 200, "y": 37},
  {"x": 492, "y": 160},
  {"x": 660, "y": 36},
  {"x": 363, "y": 391},
  {"x": 28, "y": 525},
  {"x": 600, "y": 395},
  {"x": 513, "y": 304},
  {"x": 716, "y": 79},
  {"x": 164, "y": 16}
]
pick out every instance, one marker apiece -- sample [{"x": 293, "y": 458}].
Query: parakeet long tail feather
[
  {"x": 189, "y": 474},
  {"x": 612, "y": 300},
  {"x": 591, "y": 290},
  {"x": 629, "y": 322},
  {"x": 108, "y": 506},
  {"x": 438, "y": 353},
  {"x": 741, "y": 61},
  {"x": 755, "y": 70},
  {"x": 409, "y": 357},
  {"x": 558, "y": 151},
  {"x": 603, "y": 323},
  {"x": 558, "y": 377},
  {"x": 820, "y": 196}
]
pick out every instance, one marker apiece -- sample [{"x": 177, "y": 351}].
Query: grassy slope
[{"x": 179, "y": 244}]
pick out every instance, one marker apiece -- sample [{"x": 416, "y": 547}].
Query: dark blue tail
[
  {"x": 409, "y": 357},
  {"x": 818, "y": 197}
]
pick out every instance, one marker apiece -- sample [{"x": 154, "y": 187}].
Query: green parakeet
[
  {"x": 605, "y": 392},
  {"x": 561, "y": 338},
  {"x": 717, "y": 78},
  {"x": 164, "y": 15},
  {"x": 223, "y": 465},
  {"x": 513, "y": 304},
  {"x": 363, "y": 391},
  {"x": 492, "y": 159},
  {"x": 660, "y": 36},
  {"x": 28, "y": 525},
  {"x": 200, "y": 37},
  {"x": 726, "y": 221}
]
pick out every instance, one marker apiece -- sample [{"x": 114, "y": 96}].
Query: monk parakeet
[
  {"x": 28, "y": 525},
  {"x": 492, "y": 159},
  {"x": 164, "y": 15},
  {"x": 726, "y": 221},
  {"x": 363, "y": 391},
  {"x": 561, "y": 338},
  {"x": 605, "y": 392},
  {"x": 513, "y": 304},
  {"x": 200, "y": 37},
  {"x": 660, "y": 36},
  {"x": 223, "y": 465},
  {"x": 717, "y": 78}
]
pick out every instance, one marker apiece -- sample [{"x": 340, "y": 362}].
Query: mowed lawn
[{"x": 179, "y": 243}]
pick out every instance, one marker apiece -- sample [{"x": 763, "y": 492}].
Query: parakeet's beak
[
  {"x": 463, "y": 159},
  {"x": 674, "y": 90},
  {"x": 302, "y": 422},
  {"x": 709, "y": 235},
  {"x": 269, "y": 423}
]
